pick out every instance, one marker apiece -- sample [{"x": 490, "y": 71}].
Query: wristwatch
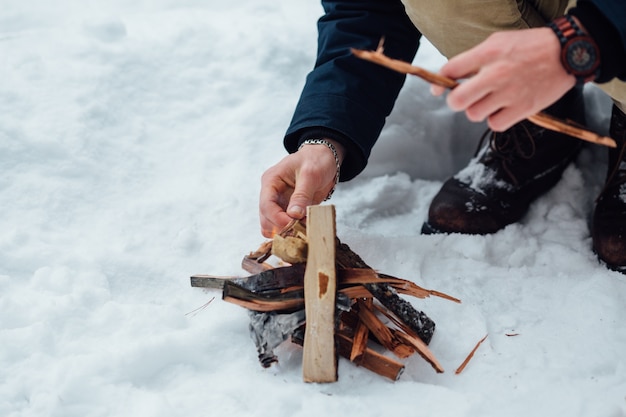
[{"x": 580, "y": 54}]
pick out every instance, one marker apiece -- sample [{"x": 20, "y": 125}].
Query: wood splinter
[{"x": 469, "y": 357}]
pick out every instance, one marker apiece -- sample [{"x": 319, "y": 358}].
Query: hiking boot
[
  {"x": 506, "y": 175},
  {"x": 609, "y": 217}
]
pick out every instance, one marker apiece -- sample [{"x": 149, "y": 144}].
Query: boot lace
[{"x": 513, "y": 144}]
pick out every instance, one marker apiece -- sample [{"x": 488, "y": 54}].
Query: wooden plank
[{"x": 319, "y": 361}]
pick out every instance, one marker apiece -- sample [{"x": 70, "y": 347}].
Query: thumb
[{"x": 301, "y": 198}]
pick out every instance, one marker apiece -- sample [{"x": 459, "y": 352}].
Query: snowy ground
[{"x": 132, "y": 140}]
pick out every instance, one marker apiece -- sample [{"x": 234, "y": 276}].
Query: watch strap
[{"x": 576, "y": 45}]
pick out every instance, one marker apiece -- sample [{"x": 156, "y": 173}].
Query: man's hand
[
  {"x": 511, "y": 75},
  {"x": 299, "y": 180}
]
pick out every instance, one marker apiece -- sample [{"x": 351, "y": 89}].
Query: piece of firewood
[
  {"x": 215, "y": 282},
  {"x": 349, "y": 276},
  {"x": 382, "y": 333},
  {"x": 361, "y": 334},
  {"x": 420, "y": 347},
  {"x": 370, "y": 359},
  {"x": 408, "y": 336},
  {"x": 542, "y": 119},
  {"x": 319, "y": 361},
  {"x": 279, "y": 301},
  {"x": 419, "y": 322},
  {"x": 252, "y": 266},
  {"x": 270, "y": 279}
]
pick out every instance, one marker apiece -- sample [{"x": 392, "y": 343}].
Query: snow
[{"x": 132, "y": 140}]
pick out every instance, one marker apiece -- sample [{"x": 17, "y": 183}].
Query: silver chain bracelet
[{"x": 335, "y": 154}]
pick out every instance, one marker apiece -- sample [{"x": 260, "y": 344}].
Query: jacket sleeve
[
  {"x": 606, "y": 22},
  {"x": 346, "y": 98}
]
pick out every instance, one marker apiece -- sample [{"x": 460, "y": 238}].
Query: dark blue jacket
[{"x": 348, "y": 99}]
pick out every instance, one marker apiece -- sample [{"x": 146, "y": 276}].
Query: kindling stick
[{"x": 541, "y": 119}]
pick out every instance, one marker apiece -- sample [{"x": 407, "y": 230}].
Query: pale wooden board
[{"x": 319, "y": 362}]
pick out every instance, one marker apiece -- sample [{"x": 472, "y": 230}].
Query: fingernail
[{"x": 295, "y": 211}]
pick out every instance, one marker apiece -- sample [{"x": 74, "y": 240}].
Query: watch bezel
[
  {"x": 574, "y": 40},
  {"x": 575, "y": 45}
]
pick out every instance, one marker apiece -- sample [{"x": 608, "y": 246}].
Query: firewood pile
[{"x": 366, "y": 315}]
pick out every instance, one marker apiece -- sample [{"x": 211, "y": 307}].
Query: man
[{"x": 518, "y": 57}]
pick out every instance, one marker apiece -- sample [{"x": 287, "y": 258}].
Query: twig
[
  {"x": 541, "y": 119},
  {"x": 469, "y": 357}
]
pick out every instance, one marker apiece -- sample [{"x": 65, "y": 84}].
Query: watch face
[{"x": 581, "y": 56}]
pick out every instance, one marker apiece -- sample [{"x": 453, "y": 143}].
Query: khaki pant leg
[
  {"x": 454, "y": 26},
  {"x": 616, "y": 89}
]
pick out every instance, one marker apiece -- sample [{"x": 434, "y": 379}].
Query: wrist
[
  {"x": 337, "y": 152},
  {"x": 580, "y": 56}
]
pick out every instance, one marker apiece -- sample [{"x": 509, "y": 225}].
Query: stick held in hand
[{"x": 542, "y": 119}]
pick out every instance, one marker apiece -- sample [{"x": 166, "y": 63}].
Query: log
[{"x": 319, "y": 361}]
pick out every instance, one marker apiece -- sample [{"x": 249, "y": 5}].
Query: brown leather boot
[
  {"x": 511, "y": 171},
  {"x": 609, "y": 217}
]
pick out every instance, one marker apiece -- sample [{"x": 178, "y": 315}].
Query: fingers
[
  {"x": 271, "y": 212},
  {"x": 275, "y": 193},
  {"x": 306, "y": 193},
  {"x": 503, "y": 119},
  {"x": 507, "y": 78},
  {"x": 299, "y": 180},
  {"x": 481, "y": 81},
  {"x": 464, "y": 65}
]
